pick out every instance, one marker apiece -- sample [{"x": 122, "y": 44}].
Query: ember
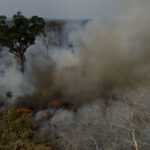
[{"x": 24, "y": 110}]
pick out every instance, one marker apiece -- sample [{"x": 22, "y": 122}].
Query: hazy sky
[{"x": 67, "y": 9}]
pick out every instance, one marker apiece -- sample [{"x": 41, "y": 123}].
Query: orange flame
[
  {"x": 55, "y": 104},
  {"x": 24, "y": 110}
]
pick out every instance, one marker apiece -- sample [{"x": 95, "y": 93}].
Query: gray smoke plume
[
  {"x": 89, "y": 128},
  {"x": 105, "y": 56},
  {"x": 93, "y": 94}
]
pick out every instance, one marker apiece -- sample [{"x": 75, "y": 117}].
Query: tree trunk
[{"x": 22, "y": 59}]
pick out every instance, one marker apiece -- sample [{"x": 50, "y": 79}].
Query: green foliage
[
  {"x": 13, "y": 114},
  {"x": 20, "y": 33},
  {"x": 9, "y": 95},
  {"x": 17, "y": 132}
]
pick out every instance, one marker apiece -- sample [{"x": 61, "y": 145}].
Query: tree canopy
[{"x": 20, "y": 33}]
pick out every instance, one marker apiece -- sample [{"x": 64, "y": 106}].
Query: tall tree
[{"x": 20, "y": 33}]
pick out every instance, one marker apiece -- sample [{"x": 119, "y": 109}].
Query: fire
[
  {"x": 24, "y": 110},
  {"x": 55, "y": 104},
  {"x": 45, "y": 117},
  {"x": 9, "y": 112}
]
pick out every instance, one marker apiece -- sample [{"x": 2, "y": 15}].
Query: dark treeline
[{"x": 19, "y": 33}]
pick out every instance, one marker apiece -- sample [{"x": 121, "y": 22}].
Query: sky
[{"x": 59, "y": 9}]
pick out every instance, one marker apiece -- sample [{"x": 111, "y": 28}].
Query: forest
[{"x": 76, "y": 84}]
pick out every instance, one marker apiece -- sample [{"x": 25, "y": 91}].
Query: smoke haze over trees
[
  {"x": 20, "y": 34},
  {"x": 85, "y": 85}
]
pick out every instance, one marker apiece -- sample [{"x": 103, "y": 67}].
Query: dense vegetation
[
  {"x": 20, "y": 33},
  {"x": 18, "y": 132},
  {"x": 73, "y": 106}
]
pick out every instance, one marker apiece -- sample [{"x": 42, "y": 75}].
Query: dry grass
[{"x": 17, "y": 132}]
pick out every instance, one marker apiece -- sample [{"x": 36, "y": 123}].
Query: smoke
[
  {"x": 105, "y": 56},
  {"x": 92, "y": 91},
  {"x": 91, "y": 126}
]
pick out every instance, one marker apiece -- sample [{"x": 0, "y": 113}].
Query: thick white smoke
[{"x": 106, "y": 56}]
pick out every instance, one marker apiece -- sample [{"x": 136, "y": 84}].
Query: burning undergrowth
[{"x": 93, "y": 94}]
